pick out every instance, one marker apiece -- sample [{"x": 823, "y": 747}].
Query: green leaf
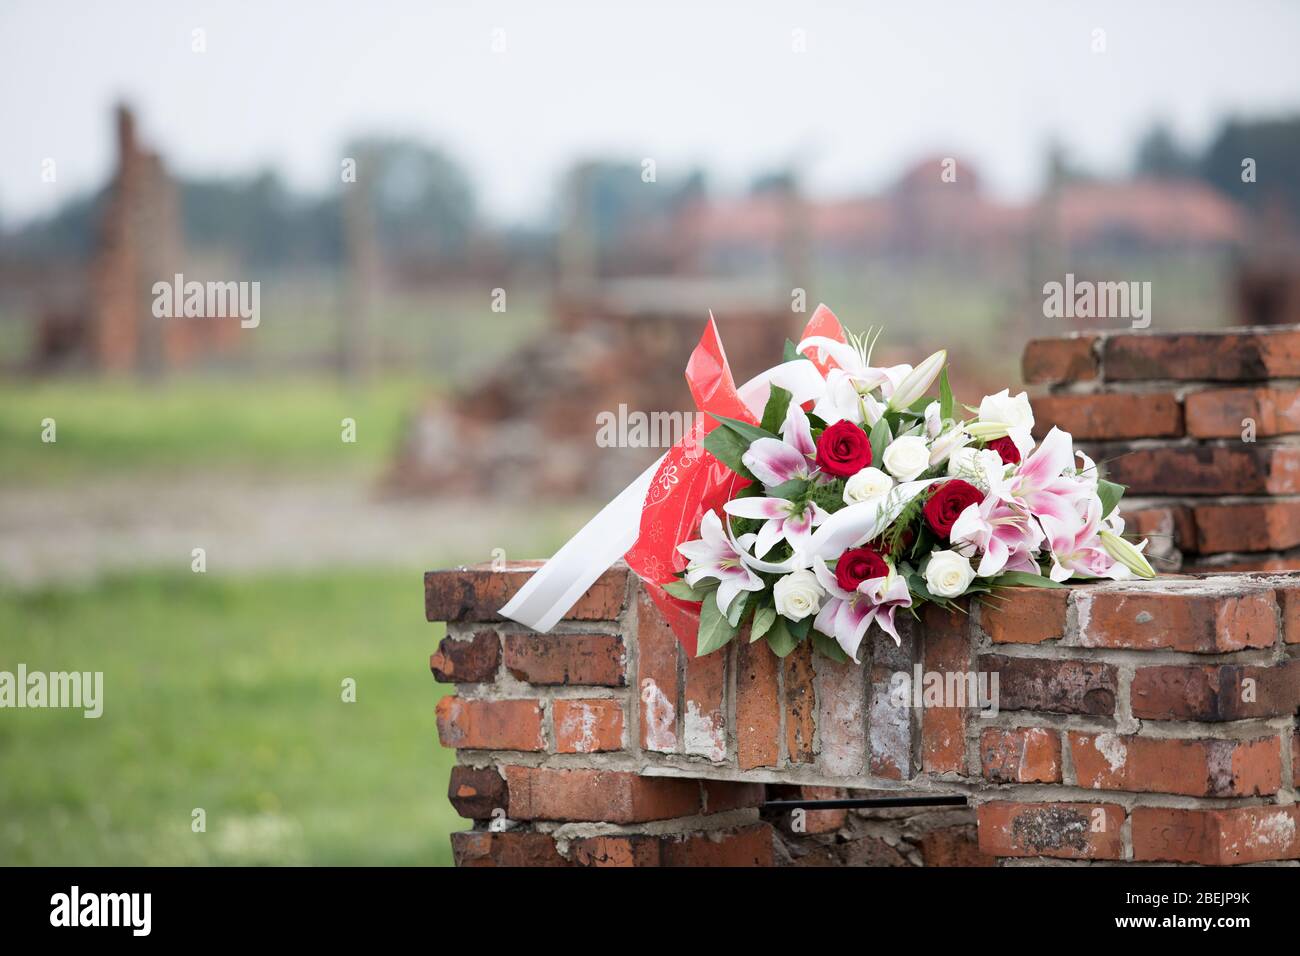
[
  {"x": 680, "y": 589},
  {"x": 792, "y": 353},
  {"x": 728, "y": 447},
  {"x": 745, "y": 430},
  {"x": 778, "y": 403},
  {"x": 1110, "y": 493},
  {"x": 780, "y": 639},
  {"x": 789, "y": 490},
  {"x": 736, "y": 609},
  {"x": 828, "y": 648},
  {"x": 880, "y": 439},
  {"x": 799, "y": 629},
  {"x": 764, "y": 617},
  {"x": 947, "y": 405},
  {"x": 1008, "y": 579},
  {"x": 715, "y": 630}
]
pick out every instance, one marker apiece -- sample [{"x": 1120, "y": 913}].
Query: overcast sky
[{"x": 284, "y": 84}]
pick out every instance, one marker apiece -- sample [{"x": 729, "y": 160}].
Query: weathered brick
[
  {"x": 616, "y": 850},
  {"x": 723, "y": 795},
  {"x": 1176, "y": 620},
  {"x": 704, "y": 723},
  {"x": 1074, "y": 831},
  {"x": 1209, "y": 470},
  {"x": 657, "y": 650},
  {"x": 804, "y": 820},
  {"x": 1289, "y": 599},
  {"x": 1050, "y": 361},
  {"x": 1216, "y": 837},
  {"x": 744, "y": 846},
  {"x": 1289, "y": 561},
  {"x": 891, "y": 729},
  {"x": 800, "y": 703},
  {"x": 595, "y": 659},
  {"x": 1219, "y": 413},
  {"x": 477, "y": 593},
  {"x": 946, "y": 650},
  {"x": 1216, "y": 692},
  {"x": 1209, "y": 356},
  {"x": 1021, "y": 755},
  {"x": 1054, "y": 686},
  {"x": 506, "y": 848},
  {"x": 1167, "y": 528},
  {"x": 605, "y": 796},
  {"x": 1198, "y": 768},
  {"x": 758, "y": 705},
  {"x": 1106, "y": 416},
  {"x": 467, "y": 662},
  {"x": 954, "y": 846},
  {"x": 471, "y": 724},
  {"x": 841, "y": 710},
  {"x": 476, "y": 793},
  {"x": 587, "y": 726},
  {"x": 1024, "y": 615},
  {"x": 1247, "y": 526},
  {"x": 1295, "y": 758}
]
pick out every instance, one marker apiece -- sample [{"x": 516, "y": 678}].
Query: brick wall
[
  {"x": 1201, "y": 427},
  {"x": 1136, "y": 722}
]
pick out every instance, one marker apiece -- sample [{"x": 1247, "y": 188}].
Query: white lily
[{"x": 918, "y": 381}]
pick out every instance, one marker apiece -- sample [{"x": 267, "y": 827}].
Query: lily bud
[
  {"x": 918, "y": 381},
  {"x": 987, "y": 431},
  {"x": 946, "y": 444},
  {"x": 1127, "y": 554}
]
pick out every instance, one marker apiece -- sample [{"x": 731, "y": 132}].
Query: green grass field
[{"x": 225, "y": 694}]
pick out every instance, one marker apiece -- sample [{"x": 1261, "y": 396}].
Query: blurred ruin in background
[{"x": 397, "y": 274}]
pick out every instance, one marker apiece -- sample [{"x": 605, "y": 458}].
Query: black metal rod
[{"x": 862, "y": 803}]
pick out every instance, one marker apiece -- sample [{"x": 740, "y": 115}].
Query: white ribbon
[{"x": 556, "y": 586}]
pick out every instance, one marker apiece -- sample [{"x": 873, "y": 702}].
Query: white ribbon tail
[{"x": 556, "y": 586}]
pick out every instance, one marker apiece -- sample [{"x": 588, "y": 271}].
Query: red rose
[
  {"x": 949, "y": 501},
  {"x": 1006, "y": 450},
  {"x": 843, "y": 449},
  {"x": 857, "y": 565}
]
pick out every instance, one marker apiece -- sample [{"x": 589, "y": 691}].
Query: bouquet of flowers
[{"x": 877, "y": 496}]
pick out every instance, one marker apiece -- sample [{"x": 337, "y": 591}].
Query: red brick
[
  {"x": 602, "y": 796},
  {"x": 1168, "y": 528},
  {"x": 841, "y": 716},
  {"x": 1054, "y": 686},
  {"x": 1210, "y": 356},
  {"x": 1049, "y": 361},
  {"x": 621, "y": 850},
  {"x": 507, "y": 848},
  {"x": 587, "y": 726},
  {"x": 723, "y": 795},
  {"x": 758, "y": 705},
  {"x": 746, "y": 846},
  {"x": 946, "y": 649},
  {"x": 800, "y": 703},
  {"x": 1215, "y": 692},
  {"x": 803, "y": 820},
  {"x": 477, "y": 593},
  {"x": 1219, "y": 413},
  {"x": 1247, "y": 526},
  {"x": 1021, "y": 755},
  {"x": 1107, "y": 416},
  {"x": 954, "y": 846},
  {"x": 477, "y": 793},
  {"x": 1289, "y": 599},
  {"x": 892, "y": 730},
  {"x": 1216, "y": 837},
  {"x": 704, "y": 723},
  {"x": 657, "y": 677},
  {"x": 1246, "y": 563},
  {"x": 467, "y": 662},
  {"x": 566, "y": 658},
  {"x": 1209, "y": 470},
  {"x": 470, "y": 724},
  {"x": 1072, "y": 831},
  {"x": 1024, "y": 615},
  {"x": 1176, "y": 620},
  {"x": 1197, "y": 768},
  {"x": 1295, "y": 758}
]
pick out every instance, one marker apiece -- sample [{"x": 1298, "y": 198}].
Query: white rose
[
  {"x": 948, "y": 574},
  {"x": 907, "y": 457},
  {"x": 867, "y": 484},
  {"x": 975, "y": 464},
  {"x": 962, "y": 462},
  {"x": 1012, "y": 412},
  {"x": 797, "y": 595}
]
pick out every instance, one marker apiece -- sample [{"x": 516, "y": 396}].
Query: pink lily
[
  {"x": 846, "y": 615},
  {"x": 785, "y": 519},
  {"x": 1041, "y": 488},
  {"x": 774, "y": 462},
  {"x": 712, "y": 555},
  {"x": 1004, "y": 532},
  {"x": 1077, "y": 548}
]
